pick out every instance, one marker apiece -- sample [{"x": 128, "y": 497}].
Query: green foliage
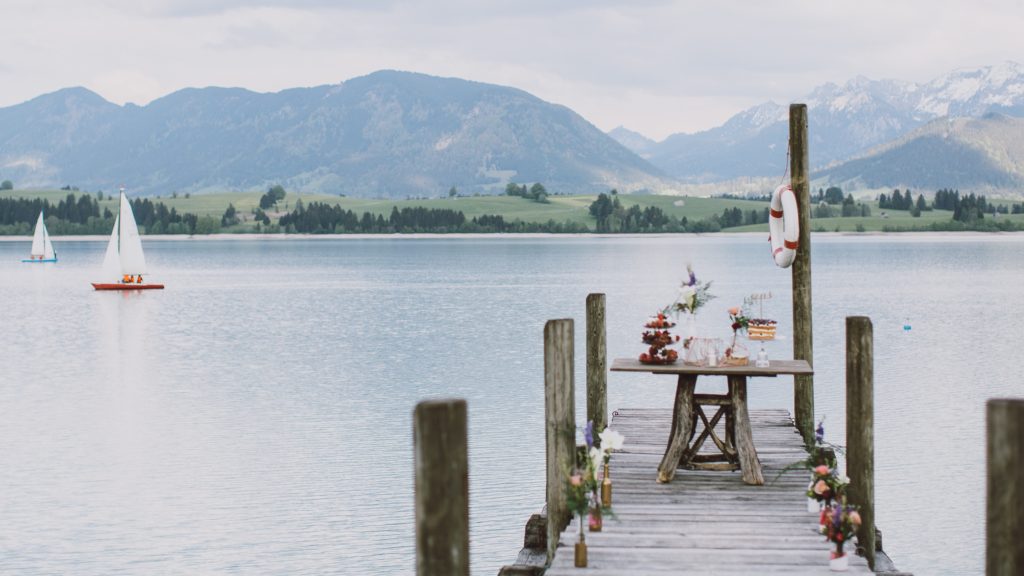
[
  {"x": 261, "y": 217},
  {"x": 834, "y": 195},
  {"x": 537, "y": 192},
  {"x": 6, "y": 185},
  {"x": 274, "y": 195},
  {"x": 230, "y": 217},
  {"x": 207, "y": 225}
]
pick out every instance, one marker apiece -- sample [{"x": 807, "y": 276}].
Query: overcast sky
[{"x": 657, "y": 67}]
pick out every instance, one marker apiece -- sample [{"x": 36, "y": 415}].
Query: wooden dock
[{"x": 703, "y": 522}]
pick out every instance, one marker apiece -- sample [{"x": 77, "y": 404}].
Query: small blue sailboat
[{"x": 42, "y": 248}]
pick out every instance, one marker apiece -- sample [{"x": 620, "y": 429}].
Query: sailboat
[
  {"x": 124, "y": 264},
  {"x": 42, "y": 249}
]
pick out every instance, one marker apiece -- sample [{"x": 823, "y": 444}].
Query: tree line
[
  {"x": 323, "y": 218},
  {"x": 81, "y": 215}
]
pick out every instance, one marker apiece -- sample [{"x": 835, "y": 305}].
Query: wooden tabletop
[{"x": 775, "y": 367}]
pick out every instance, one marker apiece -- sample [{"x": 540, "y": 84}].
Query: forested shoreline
[{"x": 83, "y": 214}]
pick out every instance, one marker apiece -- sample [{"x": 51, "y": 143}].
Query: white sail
[
  {"x": 111, "y": 260},
  {"x": 39, "y": 239},
  {"x": 130, "y": 244},
  {"x": 48, "y": 252}
]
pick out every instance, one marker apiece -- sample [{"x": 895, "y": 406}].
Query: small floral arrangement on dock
[
  {"x": 610, "y": 440},
  {"x": 839, "y": 523},
  {"x": 577, "y": 494},
  {"x": 597, "y": 453},
  {"x": 692, "y": 294},
  {"x": 826, "y": 484}
]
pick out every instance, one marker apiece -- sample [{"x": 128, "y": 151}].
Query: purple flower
[
  {"x": 838, "y": 515},
  {"x": 588, "y": 433},
  {"x": 819, "y": 434},
  {"x": 693, "y": 279}
]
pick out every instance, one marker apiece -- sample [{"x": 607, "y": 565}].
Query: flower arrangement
[
  {"x": 582, "y": 489},
  {"x": 826, "y": 484},
  {"x": 822, "y": 452},
  {"x": 577, "y": 493},
  {"x": 839, "y": 523},
  {"x": 610, "y": 440},
  {"x": 739, "y": 321},
  {"x": 692, "y": 295},
  {"x": 736, "y": 354}
]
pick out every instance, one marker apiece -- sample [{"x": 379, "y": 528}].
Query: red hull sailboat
[
  {"x": 122, "y": 286},
  {"x": 124, "y": 258}
]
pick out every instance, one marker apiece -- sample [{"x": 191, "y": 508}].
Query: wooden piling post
[
  {"x": 597, "y": 363},
  {"x": 1004, "y": 499},
  {"x": 442, "y": 488},
  {"x": 559, "y": 423},
  {"x": 860, "y": 428},
  {"x": 803, "y": 390}
]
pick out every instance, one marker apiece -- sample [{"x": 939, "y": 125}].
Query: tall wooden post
[
  {"x": 1004, "y": 499},
  {"x": 803, "y": 390},
  {"x": 597, "y": 363},
  {"x": 559, "y": 423},
  {"x": 860, "y": 427},
  {"x": 442, "y": 488}
]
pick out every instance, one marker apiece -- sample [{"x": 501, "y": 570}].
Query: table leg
[
  {"x": 682, "y": 428},
  {"x": 749, "y": 463}
]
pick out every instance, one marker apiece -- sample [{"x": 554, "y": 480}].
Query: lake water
[{"x": 255, "y": 416}]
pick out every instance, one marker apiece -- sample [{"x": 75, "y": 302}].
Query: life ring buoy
[{"x": 784, "y": 226}]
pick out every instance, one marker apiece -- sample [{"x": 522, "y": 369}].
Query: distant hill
[
  {"x": 963, "y": 153},
  {"x": 635, "y": 141},
  {"x": 845, "y": 122},
  {"x": 387, "y": 134}
]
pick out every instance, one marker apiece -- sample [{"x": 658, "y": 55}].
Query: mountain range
[
  {"x": 402, "y": 134},
  {"x": 387, "y": 134},
  {"x": 866, "y": 131}
]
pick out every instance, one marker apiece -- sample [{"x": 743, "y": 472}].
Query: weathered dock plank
[{"x": 703, "y": 522}]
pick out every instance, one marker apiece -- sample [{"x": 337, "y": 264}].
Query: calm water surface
[{"x": 255, "y": 417}]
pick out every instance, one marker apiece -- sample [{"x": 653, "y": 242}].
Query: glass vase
[{"x": 688, "y": 324}]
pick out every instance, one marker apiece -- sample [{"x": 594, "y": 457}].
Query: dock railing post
[
  {"x": 597, "y": 363},
  {"x": 442, "y": 488},
  {"x": 860, "y": 428},
  {"x": 803, "y": 389},
  {"x": 1004, "y": 497},
  {"x": 559, "y": 423}
]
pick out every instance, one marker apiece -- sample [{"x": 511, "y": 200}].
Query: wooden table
[{"x": 738, "y": 445}]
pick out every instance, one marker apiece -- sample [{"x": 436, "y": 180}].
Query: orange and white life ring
[{"x": 784, "y": 226}]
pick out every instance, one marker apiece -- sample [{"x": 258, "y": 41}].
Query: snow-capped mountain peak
[{"x": 846, "y": 120}]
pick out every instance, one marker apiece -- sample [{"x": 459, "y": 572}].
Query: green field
[{"x": 560, "y": 208}]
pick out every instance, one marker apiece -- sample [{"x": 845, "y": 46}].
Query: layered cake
[{"x": 761, "y": 329}]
